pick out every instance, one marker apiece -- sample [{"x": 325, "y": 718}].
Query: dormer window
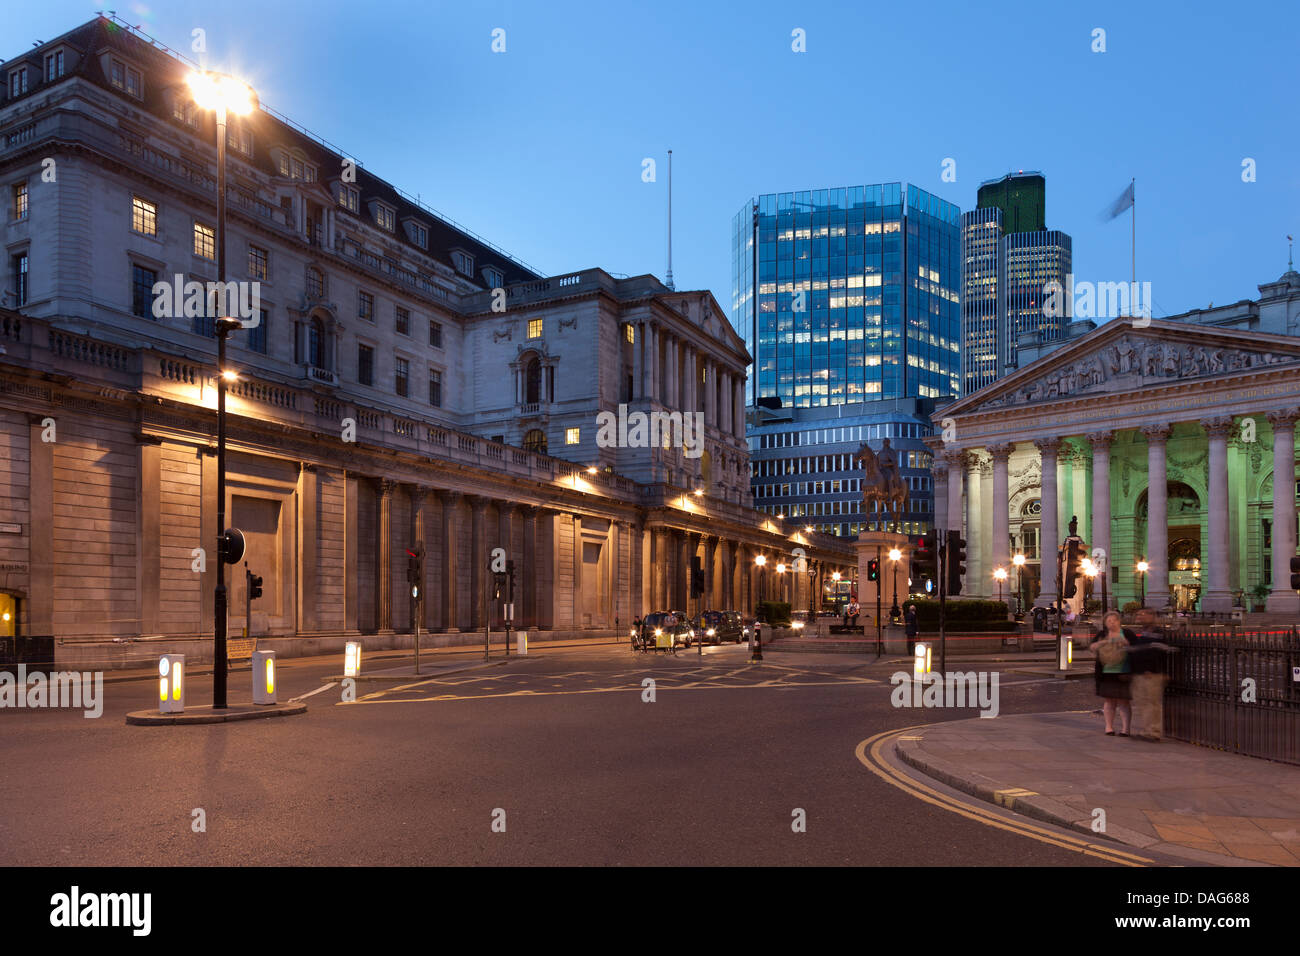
[
  {"x": 126, "y": 78},
  {"x": 17, "y": 81},
  {"x": 418, "y": 233},
  {"x": 385, "y": 217},
  {"x": 186, "y": 112},
  {"x": 239, "y": 137},
  {"x": 494, "y": 278},
  {"x": 53, "y": 66},
  {"x": 349, "y": 198},
  {"x": 463, "y": 262},
  {"x": 296, "y": 168}
]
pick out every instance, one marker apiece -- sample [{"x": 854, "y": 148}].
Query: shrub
[
  {"x": 1130, "y": 607},
  {"x": 776, "y": 613},
  {"x": 958, "y": 614}
]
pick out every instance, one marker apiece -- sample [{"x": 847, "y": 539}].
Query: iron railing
[{"x": 1236, "y": 691}]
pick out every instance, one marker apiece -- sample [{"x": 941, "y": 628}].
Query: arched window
[
  {"x": 533, "y": 381},
  {"x": 318, "y": 346},
  {"x": 535, "y": 440}
]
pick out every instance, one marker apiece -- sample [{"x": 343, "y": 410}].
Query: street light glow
[
  {"x": 835, "y": 576},
  {"x": 1143, "y": 567},
  {"x": 1000, "y": 574},
  {"x": 1018, "y": 560},
  {"x": 780, "y": 568},
  {"x": 213, "y": 91},
  {"x": 760, "y": 560},
  {"x": 230, "y": 375},
  {"x": 895, "y": 554}
]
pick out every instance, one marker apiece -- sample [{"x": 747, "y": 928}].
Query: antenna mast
[{"x": 669, "y": 283}]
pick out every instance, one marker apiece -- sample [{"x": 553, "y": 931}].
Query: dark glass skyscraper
[{"x": 849, "y": 298}]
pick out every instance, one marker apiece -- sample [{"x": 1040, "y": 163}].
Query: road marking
[
  {"x": 294, "y": 700},
  {"x": 877, "y": 765},
  {"x": 376, "y": 699}
]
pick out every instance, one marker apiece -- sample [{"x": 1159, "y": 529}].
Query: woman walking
[{"x": 1112, "y": 672}]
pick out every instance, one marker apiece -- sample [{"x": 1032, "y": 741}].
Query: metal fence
[{"x": 1237, "y": 691}]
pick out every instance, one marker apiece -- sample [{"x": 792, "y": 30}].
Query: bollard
[
  {"x": 758, "y": 643},
  {"x": 171, "y": 684},
  {"x": 352, "y": 659},
  {"x": 921, "y": 664},
  {"x": 521, "y": 643},
  {"x": 1065, "y": 652},
  {"x": 264, "y": 677}
]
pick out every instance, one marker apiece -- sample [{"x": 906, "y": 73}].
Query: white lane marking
[{"x": 294, "y": 700}]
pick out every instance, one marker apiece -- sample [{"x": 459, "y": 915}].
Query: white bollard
[
  {"x": 521, "y": 643},
  {"x": 1065, "y": 652},
  {"x": 352, "y": 659},
  {"x": 171, "y": 684},
  {"x": 922, "y": 663},
  {"x": 264, "y": 677}
]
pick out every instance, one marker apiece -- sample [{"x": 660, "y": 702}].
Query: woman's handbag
[{"x": 1112, "y": 651}]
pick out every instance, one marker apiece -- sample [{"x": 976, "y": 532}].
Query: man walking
[
  {"x": 913, "y": 628},
  {"x": 1147, "y": 657}
]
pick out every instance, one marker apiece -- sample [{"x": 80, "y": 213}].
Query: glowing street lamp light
[
  {"x": 1000, "y": 574},
  {"x": 894, "y": 611},
  {"x": 1019, "y": 562},
  {"x": 1143, "y": 568},
  {"x": 222, "y": 94}
]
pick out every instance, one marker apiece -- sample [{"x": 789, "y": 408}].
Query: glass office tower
[
  {"x": 845, "y": 297},
  {"x": 1008, "y": 256}
]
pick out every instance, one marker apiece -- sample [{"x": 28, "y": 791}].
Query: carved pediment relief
[{"x": 1134, "y": 362}]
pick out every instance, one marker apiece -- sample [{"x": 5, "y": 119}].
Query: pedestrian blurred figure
[
  {"x": 1147, "y": 658},
  {"x": 1112, "y": 671},
  {"x": 913, "y": 628}
]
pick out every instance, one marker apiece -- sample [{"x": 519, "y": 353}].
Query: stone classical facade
[
  {"x": 406, "y": 381},
  {"x": 1164, "y": 440}
]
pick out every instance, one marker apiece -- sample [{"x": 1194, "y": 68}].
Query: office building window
[
  {"x": 435, "y": 334},
  {"x": 572, "y": 436},
  {"x": 19, "y": 264},
  {"x": 20, "y": 200},
  {"x": 365, "y": 365},
  {"x": 435, "y": 389},
  {"x": 403, "y": 322},
  {"x": 366, "y": 306},
  {"x": 144, "y": 217},
  {"x": 401, "y": 374},
  {"x": 534, "y": 328},
  {"x": 142, "y": 282},
  {"x": 258, "y": 262},
  {"x": 205, "y": 241},
  {"x": 257, "y": 334}
]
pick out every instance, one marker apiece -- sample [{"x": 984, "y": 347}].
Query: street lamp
[
  {"x": 1143, "y": 568},
  {"x": 222, "y": 94},
  {"x": 1090, "y": 572},
  {"x": 1019, "y": 562},
  {"x": 1000, "y": 574},
  {"x": 761, "y": 561},
  {"x": 780, "y": 581},
  {"x": 894, "y": 612}
]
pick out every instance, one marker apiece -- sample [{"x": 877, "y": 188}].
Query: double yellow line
[{"x": 869, "y": 753}]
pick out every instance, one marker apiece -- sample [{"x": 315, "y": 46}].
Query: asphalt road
[{"x": 560, "y": 745}]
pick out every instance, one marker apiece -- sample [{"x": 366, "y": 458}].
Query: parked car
[
  {"x": 714, "y": 627},
  {"x": 673, "y": 623}
]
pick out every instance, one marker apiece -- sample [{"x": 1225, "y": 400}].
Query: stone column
[
  {"x": 711, "y": 598},
  {"x": 710, "y": 395},
  {"x": 478, "y": 556},
  {"x": 690, "y": 380},
  {"x": 978, "y": 574},
  {"x": 724, "y": 403},
  {"x": 638, "y": 363},
  {"x": 450, "y": 554},
  {"x": 650, "y": 366},
  {"x": 692, "y": 552},
  {"x": 739, "y": 415},
  {"x": 1283, "y": 600},
  {"x": 505, "y": 520},
  {"x": 1157, "y": 516},
  {"x": 672, "y": 397},
  {"x": 679, "y": 590},
  {"x": 939, "y": 474},
  {"x": 384, "y": 566},
  {"x": 1099, "y": 533},
  {"x": 419, "y": 517},
  {"x": 1001, "y": 544},
  {"x": 527, "y": 573},
  {"x": 659, "y": 568},
  {"x": 1049, "y": 536},
  {"x": 956, "y": 500},
  {"x": 1217, "y": 597}
]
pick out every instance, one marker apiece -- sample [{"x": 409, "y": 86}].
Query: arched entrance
[{"x": 1184, "y": 523}]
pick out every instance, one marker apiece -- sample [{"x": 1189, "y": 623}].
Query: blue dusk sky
[{"x": 540, "y": 148}]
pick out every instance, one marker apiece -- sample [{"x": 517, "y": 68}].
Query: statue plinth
[{"x": 877, "y": 544}]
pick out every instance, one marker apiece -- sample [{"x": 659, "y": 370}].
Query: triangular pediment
[{"x": 1123, "y": 357}]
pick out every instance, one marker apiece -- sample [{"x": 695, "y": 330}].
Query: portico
[{"x": 1164, "y": 439}]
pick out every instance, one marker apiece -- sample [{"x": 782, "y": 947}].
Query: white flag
[{"x": 1124, "y": 201}]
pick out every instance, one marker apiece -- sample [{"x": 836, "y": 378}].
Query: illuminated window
[
  {"x": 572, "y": 436},
  {"x": 144, "y": 217},
  {"x": 534, "y": 328},
  {"x": 349, "y": 198},
  {"x": 629, "y": 333},
  {"x": 205, "y": 241},
  {"x": 20, "y": 201}
]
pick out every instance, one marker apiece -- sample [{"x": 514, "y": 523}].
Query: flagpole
[{"x": 1133, "y": 241}]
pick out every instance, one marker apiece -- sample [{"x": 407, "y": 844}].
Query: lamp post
[
  {"x": 1090, "y": 572},
  {"x": 761, "y": 562},
  {"x": 1143, "y": 568},
  {"x": 894, "y": 611},
  {"x": 1019, "y": 562},
  {"x": 780, "y": 581},
  {"x": 1000, "y": 574},
  {"x": 835, "y": 590},
  {"x": 222, "y": 94}
]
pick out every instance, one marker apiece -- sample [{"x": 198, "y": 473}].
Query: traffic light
[
  {"x": 697, "y": 577},
  {"x": 510, "y": 581},
  {"x": 254, "y": 585},
  {"x": 956, "y": 562},
  {"x": 415, "y": 568},
  {"x": 498, "y": 584},
  {"x": 873, "y": 570},
  {"x": 925, "y": 561},
  {"x": 1073, "y": 554},
  {"x": 1295, "y": 574}
]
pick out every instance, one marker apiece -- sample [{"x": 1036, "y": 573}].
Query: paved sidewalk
[{"x": 1203, "y": 805}]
